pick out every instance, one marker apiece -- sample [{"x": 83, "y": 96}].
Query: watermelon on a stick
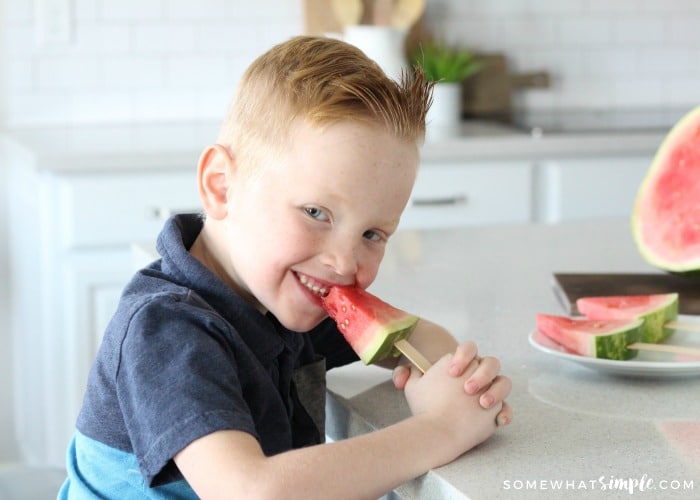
[
  {"x": 373, "y": 328},
  {"x": 659, "y": 312},
  {"x": 608, "y": 339}
]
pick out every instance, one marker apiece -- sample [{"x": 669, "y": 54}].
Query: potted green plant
[
  {"x": 445, "y": 63},
  {"x": 448, "y": 66}
]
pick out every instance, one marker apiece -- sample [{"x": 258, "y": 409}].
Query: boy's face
[{"x": 320, "y": 215}]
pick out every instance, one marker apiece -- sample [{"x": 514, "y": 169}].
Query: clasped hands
[{"x": 482, "y": 378}]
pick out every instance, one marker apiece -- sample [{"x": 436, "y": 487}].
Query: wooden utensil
[
  {"x": 406, "y": 12},
  {"x": 413, "y": 355},
  {"x": 674, "y": 349},
  {"x": 382, "y": 12},
  {"x": 348, "y": 12}
]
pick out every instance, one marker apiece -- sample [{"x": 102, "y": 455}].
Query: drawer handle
[
  {"x": 458, "y": 199},
  {"x": 162, "y": 213}
]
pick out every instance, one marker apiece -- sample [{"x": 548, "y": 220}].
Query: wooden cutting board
[{"x": 570, "y": 286}]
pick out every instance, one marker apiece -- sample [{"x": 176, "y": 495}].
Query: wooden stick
[
  {"x": 676, "y": 349},
  {"x": 686, "y": 327},
  {"x": 413, "y": 355}
]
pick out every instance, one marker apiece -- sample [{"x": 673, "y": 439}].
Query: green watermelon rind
[
  {"x": 384, "y": 338},
  {"x": 653, "y": 328},
  {"x": 611, "y": 344},
  {"x": 687, "y": 268}
]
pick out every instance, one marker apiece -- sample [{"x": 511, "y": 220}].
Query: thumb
[{"x": 400, "y": 376}]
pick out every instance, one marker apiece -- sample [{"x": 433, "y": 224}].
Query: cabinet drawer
[
  {"x": 453, "y": 195},
  {"x": 107, "y": 209}
]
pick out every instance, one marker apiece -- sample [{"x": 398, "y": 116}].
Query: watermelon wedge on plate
[
  {"x": 656, "y": 310},
  {"x": 666, "y": 215},
  {"x": 592, "y": 338}
]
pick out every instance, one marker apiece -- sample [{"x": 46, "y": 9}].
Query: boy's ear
[{"x": 213, "y": 173}]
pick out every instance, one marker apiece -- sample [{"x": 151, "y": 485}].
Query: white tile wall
[{"x": 140, "y": 60}]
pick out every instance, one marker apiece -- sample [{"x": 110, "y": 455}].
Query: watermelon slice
[
  {"x": 369, "y": 325},
  {"x": 592, "y": 338},
  {"x": 655, "y": 310},
  {"x": 666, "y": 215}
]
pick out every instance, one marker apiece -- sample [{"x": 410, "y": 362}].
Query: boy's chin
[{"x": 301, "y": 324}]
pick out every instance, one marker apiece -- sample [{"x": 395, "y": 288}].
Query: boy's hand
[
  {"x": 435, "y": 397},
  {"x": 486, "y": 376}
]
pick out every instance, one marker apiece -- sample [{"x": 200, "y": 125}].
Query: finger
[
  {"x": 497, "y": 392},
  {"x": 505, "y": 416},
  {"x": 400, "y": 376},
  {"x": 464, "y": 354},
  {"x": 483, "y": 376}
]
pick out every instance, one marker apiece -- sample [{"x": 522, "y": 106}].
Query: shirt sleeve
[{"x": 177, "y": 381}]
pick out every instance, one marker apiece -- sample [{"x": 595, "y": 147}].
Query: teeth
[{"x": 314, "y": 287}]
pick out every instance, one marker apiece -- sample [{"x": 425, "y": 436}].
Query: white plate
[{"x": 646, "y": 364}]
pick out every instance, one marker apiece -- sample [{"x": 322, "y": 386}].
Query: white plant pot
[
  {"x": 445, "y": 115},
  {"x": 384, "y": 44}
]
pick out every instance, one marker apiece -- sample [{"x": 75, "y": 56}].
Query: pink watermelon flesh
[
  {"x": 369, "y": 325},
  {"x": 666, "y": 217},
  {"x": 656, "y": 310},
  {"x": 592, "y": 338}
]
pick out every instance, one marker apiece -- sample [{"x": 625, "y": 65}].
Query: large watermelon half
[
  {"x": 370, "y": 325},
  {"x": 592, "y": 338},
  {"x": 656, "y": 310},
  {"x": 666, "y": 215}
]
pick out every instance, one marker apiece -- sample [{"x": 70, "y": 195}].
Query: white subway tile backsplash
[
  {"x": 163, "y": 38},
  {"x": 67, "y": 73},
  {"x": 131, "y": 10},
  {"x": 133, "y": 72},
  {"x": 20, "y": 75},
  {"x": 105, "y": 39},
  {"x": 196, "y": 71},
  {"x": 586, "y": 30},
  {"x": 200, "y": 10},
  {"x": 220, "y": 37},
  {"x": 131, "y": 60},
  {"x": 683, "y": 30},
  {"x": 94, "y": 106},
  {"x": 642, "y": 31}
]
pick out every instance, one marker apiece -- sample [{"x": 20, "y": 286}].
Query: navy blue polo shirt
[{"x": 185, "y": 356}]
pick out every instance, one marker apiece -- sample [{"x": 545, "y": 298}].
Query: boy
[{"x": 205, "y": 384}]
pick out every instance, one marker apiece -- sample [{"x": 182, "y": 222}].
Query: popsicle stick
[
  {"x": 676, "y": 349},
  {"x": 686, "y": 327},
  {"x": 413, "y": 355}
]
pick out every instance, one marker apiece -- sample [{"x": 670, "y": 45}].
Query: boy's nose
[{"x": 342, "y": 259}]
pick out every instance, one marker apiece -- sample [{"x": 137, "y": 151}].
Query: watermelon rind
[
  {"x": 654, "y": 238},
  {"x": 663, "y": 310},
  {"x": 384, "y": 338},
  {"x": 593, "y": 338}
]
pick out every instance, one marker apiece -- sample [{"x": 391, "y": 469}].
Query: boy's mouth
[{"x": 314, "y": 286}]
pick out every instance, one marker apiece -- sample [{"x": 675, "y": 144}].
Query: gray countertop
[
  {"x": 584, "y": 428},
  {"x": 168, "y": 145}
]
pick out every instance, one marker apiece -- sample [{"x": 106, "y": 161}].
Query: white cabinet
[
  {"x": 454, "y": 194},
  {"x": 70, "y": 247},
  {"x": 583, "y": 188}
]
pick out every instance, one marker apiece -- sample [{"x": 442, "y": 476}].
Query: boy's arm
[{"x": 231, "y": 464}]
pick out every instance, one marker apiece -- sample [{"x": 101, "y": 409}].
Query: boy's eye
[
  {"x": 316, "y": 213},
  {"x": 371, "y": 235}
]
